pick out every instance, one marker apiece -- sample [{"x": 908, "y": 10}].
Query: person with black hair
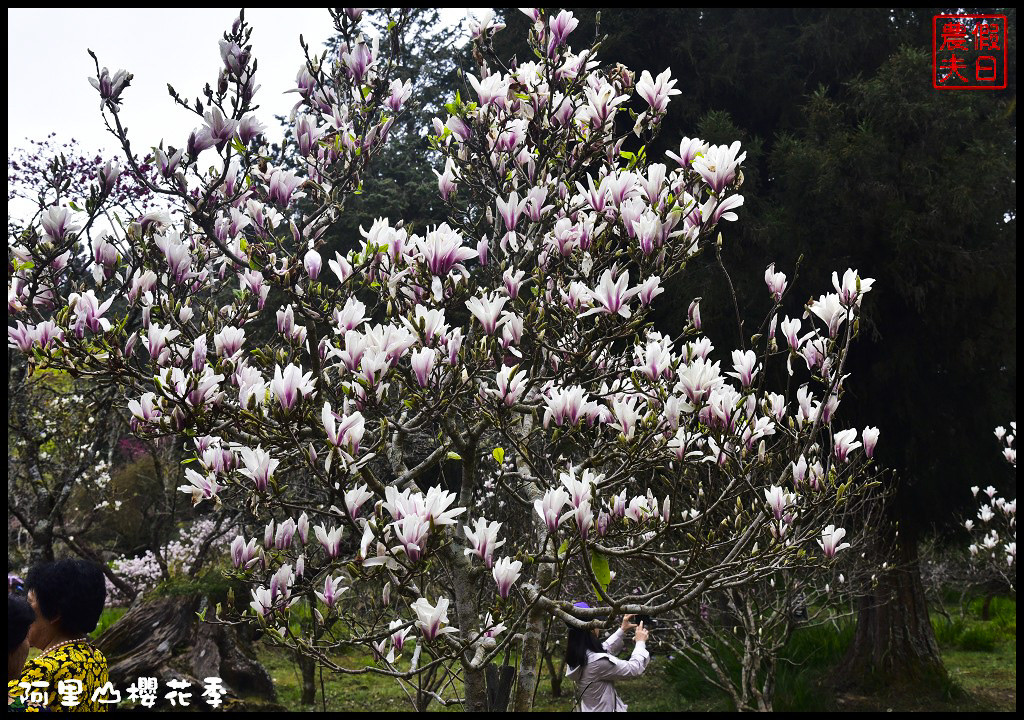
[
  {"x": 20, "y": 616},
  {"x": 593, "y": 665},
  {"x": 67, "y": 598}
]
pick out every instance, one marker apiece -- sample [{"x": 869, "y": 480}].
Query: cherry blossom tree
[{"x": 451, "y": 425}]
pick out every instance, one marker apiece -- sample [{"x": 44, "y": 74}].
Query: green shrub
[
  {"x": 108, "y": 618},
  {"x": 979, "y": 639},
  {"x": 948, "y": 632}
]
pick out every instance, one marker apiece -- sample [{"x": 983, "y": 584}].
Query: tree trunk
[
  {"x": 162, "y": 637},
  {"x": 307, "y": 667},
  {"x": 894, "y": 641}
]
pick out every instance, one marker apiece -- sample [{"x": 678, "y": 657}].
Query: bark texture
[
  {"x": 162, "y": 637},
  {"x": 894, "y": 641}
]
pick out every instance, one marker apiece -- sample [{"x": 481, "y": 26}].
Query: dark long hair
[{"x": 579, "y": 642}]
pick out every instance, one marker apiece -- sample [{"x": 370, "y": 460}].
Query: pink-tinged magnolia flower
[
  {"x": 791, "y": 331},
  {"x": 580, "y": 490},
  {"x": 89, "y": 312},
  {"x": 693, "y": 313},
  {"x": 506, "y": 571},
  {"x": 584, "y": 518},
  {"x": 398, "y": 634},
  {"x": 355, "y": 498},
  {"x": 313, "y": 263},
  {"x": 851, "y": 290},
  {"x": 459, "y": 128},
  {"x": 411, "y": 532},
  {"x": 282, "y": 186},
  {"x": 285, "y": 533},
  {"x": 612, "y": 296},
  {"x": 716, "y": 209},
  {"x": 359, "y": 60},
  {"x": 485, "y": 25},
  {"x": 698, "y": 378},
  {"x": 436, "y": 506},
  {"x": 511, "y": 209},
  {"x": 638, "y": 509},
  {"x": 625, "y": 414},
  {"x": 653, "y": 360},
  {"x": 332, "y": 591},
  {"x": 307, "y": 133},
  {"x": 259, "y": 466},
  {"x": 442, "y": 250},
  {"x": 510, "y": 384},
  {"x": 483, "y": 540},
  {"x": 830, "y": 539},
  {"x": 242, "y": 552},
  {"x": 422, "y": 364},
  {"x": 845, "y": 442},
  {"x": 799, "y": 470},
  {"x": 201, "y": 487},
  {"x": 229, "y": 341},
  {"x": 364, "y": 550},
  {"x": 490, "y": 628},
  {"x": 21, "y": 337},
  {"x": 657, "y": 92},
  {"x": 288, "y": 385},
  {"x": 486, "y": 309},
  {"x": 428, "y": 324},
  {"x": 567, "y": 405},
  {"x": 778, "y": 501},
  {"x": 329, "y": 539},
  {"x": 262, "y": 604},
  {"x": 157, "y": 338},
  {"x": 719, "y": 164},
  {"x": 430, "y": 618},
  {"x": 870, "y": 436},
  {"x": 744, "y": 364},
  {"x": 348, "y": 433},
  {"x": 145, "y": 408},
  {"x": 618, "y": 505},
  {"x": 650, "y": 289},
  {"x": 560, "y": 26},
  {"x": 689, "y": 148},
  {"x": 341, "y": 267},
  {"x": 446, "y": 181},
  {"x": 398, "y": 94},
  {"x": 550, "y": 507},
  {"x": 249, "y": 128},
  {"x": 302, "y": 527},
  {"x": 493, "y": 89},
  {"x": 776, "y": 282},
  {"x": 830, "y": 310},
  {"x": 512, "y": 281}
]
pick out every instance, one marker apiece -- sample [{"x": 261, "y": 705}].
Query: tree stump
[{"x": 162, "y": 637}]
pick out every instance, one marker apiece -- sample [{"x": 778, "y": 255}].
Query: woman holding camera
[{"x": 593, "y": 665}]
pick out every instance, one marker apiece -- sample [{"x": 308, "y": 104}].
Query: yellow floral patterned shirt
[{"x": 75, "y": 661}]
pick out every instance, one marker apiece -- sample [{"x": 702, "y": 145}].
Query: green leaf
[
  {"x": 453, "y": 455},
  {"x": 599, "y": 564},
  {"x": 498, "y": 454},
  {"x": 563, "y": 548},
  {"x": 73, "y": 206}
]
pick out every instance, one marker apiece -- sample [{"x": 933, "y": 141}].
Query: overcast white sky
[{"x": 48, "y": 67}]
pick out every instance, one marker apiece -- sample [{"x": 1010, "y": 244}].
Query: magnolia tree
[
  {"x": 993, "y": 548},
  {"x": 451, "y": 423}
]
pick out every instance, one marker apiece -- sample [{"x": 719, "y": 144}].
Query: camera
[{"x": 647, "y": 620}]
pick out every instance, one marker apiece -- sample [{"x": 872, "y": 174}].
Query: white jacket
[{"x": 594, "y": 681}]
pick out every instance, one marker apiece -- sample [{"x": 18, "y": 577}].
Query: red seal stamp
[{"x": 969, "y": 52}]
